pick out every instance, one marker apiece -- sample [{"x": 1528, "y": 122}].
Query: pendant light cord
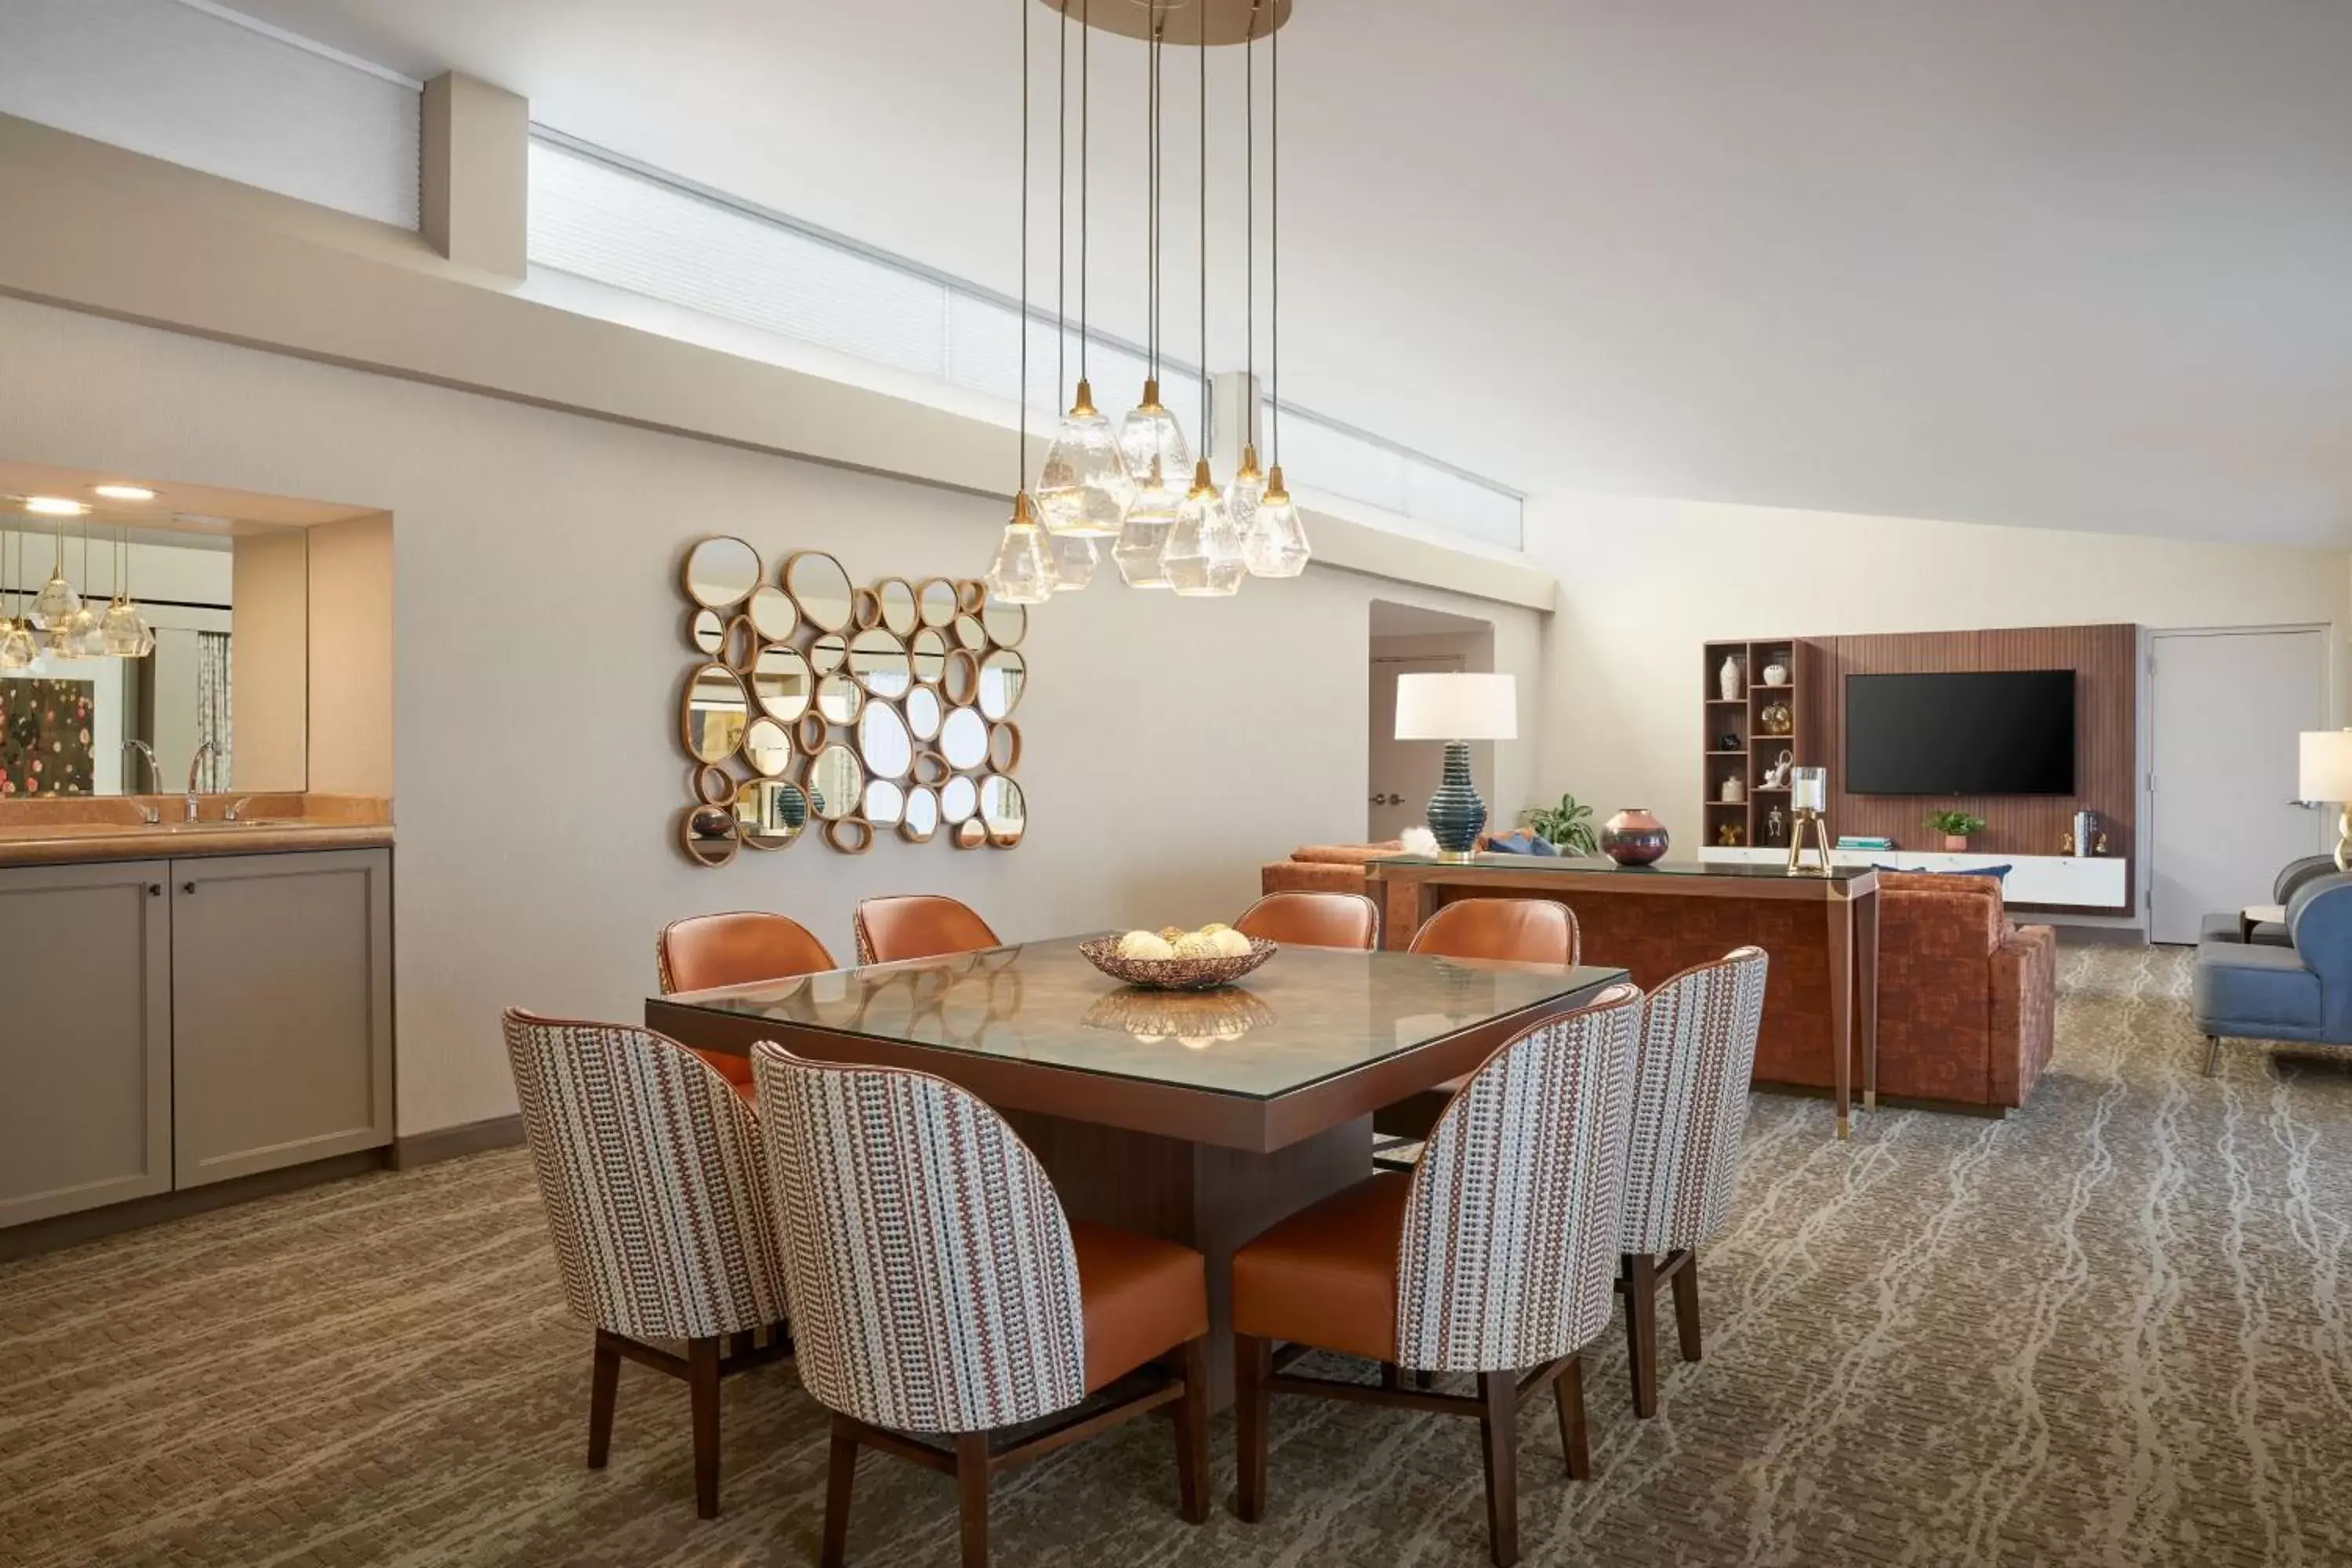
[
  {"x": 1249, "y": 204},
  {"x": 1274, "y": 244},
  {"x": 1151, "y": 178},
  {"x": 1062, "y": 212},
  {"x": 1020, "y": 452},
  {"x": 1085, "y": 116},
  {"x": 1205, "y": 236}
]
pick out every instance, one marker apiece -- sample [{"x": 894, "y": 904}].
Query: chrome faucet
[
  {"x": 206, "y": 748},
  {"x": 154, "y": 776}
]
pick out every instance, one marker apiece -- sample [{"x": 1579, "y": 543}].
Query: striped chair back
[
  {"x": 654, "y": 1179},
  {"x": 1510, "y": 1230},
  {"x": 933, "y": 1284},
  {"x": 1690, "y": 1102}
]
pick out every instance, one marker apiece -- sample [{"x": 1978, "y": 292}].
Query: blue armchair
[
  {"x": 2301, "y": 991},
  {"x": 2227, "y": 924}
]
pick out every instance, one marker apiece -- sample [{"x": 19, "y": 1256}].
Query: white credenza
[{"x": 2091, "y": 883}]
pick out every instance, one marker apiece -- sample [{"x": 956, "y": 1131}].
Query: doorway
[
  {"x": 2225, "y": 709},
  {"x": 1408, "y": 640}
]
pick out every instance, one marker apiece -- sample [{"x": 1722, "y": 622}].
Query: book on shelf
[{"x": 1863, "y": 841}]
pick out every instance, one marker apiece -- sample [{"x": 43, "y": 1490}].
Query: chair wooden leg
[
  {"x": 1641, "y": 1330},
  {"x": 702, "y": 1379},
  {"x": 840, "y": 1475},
  {"x": 1498, "y": 1443},
  {"x": 971, "y": 1495},
  {"x": 1192, "y": 1435},
  {"x": 1389, "y": 1378},
  {"x": 1568, "y": 1394},
  {"x": 604, "y": 1390},
  {"x": 1251, "y": 1365},
  {"x": 2213, "y": 1053},
  {"x": 1424, "y": 1379},
  {"x": 1687, "y": 1305}
]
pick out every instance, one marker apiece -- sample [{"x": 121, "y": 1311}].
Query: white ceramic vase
[
  {"x": 1728, "y": 677},
  {"x": 1735, "y": 792},
  {"x": 1776, "y": 675}
]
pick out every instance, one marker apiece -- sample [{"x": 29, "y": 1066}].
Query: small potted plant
[
  {"x": 1955, "y": 827},
  {"x": 1567, "y": 826}
]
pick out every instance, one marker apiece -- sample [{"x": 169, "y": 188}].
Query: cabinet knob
[
  {"x": 155, "y": 889},
  {"x": 189, "y": 888}
]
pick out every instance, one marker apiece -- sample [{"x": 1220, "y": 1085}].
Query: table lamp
[
  {"x": 2327, "y": 774},
  {"x": 1456, "y": 710},
  {"x": 1808, "y": 800}
]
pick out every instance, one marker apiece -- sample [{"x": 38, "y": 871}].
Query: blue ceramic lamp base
[{"x": 1456, "y": 814}]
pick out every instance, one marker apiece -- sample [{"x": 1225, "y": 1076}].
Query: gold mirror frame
[
  {"x": 864, "y": 608},
  {"x": 920, "y": 819},
  {"x": 877, "y": 718},
  {"x": 746, "y": 829},
  {"x": 970, "y": 634},
  {"x": 725, "y": 561},
  {"x": 713, "y": 786},
  {"x": 773, "y": 615},
  {"x": 972, "y": 594},
  {"x": 828, "y": 653},
  {"x": 840, "y": 699},
  {"x": 811, "y": 729},
  {"x": 995, "y": 704},
  {"x": 1003, "y": 747},
  {"x": 925, "y": 700},
  {"x": 706, "y": 632},
  {"x": 713, "y": 752},
  {"x": 879, "y": 662},
  {"x": 788, "y": 661},
  {"x": 858, "y": 826},
  {"x": 963, "y": 739},
  {"x": 1000, "y": 837},
  {"x": 935, "y": 601},
  {"x": 958, "y": 801},
  {"x": 884, "y": 803},
  {"x": 897, "y": 598},
  {"x": 740, "y": 645},
  {"x": 817, "y": 598},
  {"x": 768, "y": 746},
  {"x": 1005, "y": 623},
  {"x": 932, "y": 769},
  {"x": 927, "y": 655},
  {"x": 961, "y": 684},
  {"x": 844, "y": 798},
  {"x": 969, "y": 834},
  {"x": 707, "y": 849}
]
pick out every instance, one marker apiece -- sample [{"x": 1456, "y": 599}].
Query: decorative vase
[
  {"x": 1728, "y": 677},
  {"x": 1955, "y": 843},
  {"x": 1733, "y": 792},
  {"x": 1776, "y": 675},
  {"x": 794, "y": 807},
  {"x": 1455, "y": 812},
  {"x": 1633, "y": 837}
]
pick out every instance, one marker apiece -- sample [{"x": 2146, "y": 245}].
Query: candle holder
[{"x": 1809, "y": 795}]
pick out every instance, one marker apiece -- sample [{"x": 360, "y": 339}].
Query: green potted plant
[
  {"x": 1955, "y": 827},
  {"x": 1567, "y": 826}
]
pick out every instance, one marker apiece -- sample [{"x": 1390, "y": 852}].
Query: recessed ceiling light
[
  {"x": 123, "y": 492},
  {"x": 54, "y": 506}
]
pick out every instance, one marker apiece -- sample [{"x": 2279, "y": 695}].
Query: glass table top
[
  {"x": 1602, "y": 866},
  {"x": 1304, "y": 1015}
]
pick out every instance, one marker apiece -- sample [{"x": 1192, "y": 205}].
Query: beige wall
[
  {"x": 270, "y": 727},
  {"x": 1643, "y": 582},
  {"x": 351, "y": 662},
  {"x": 1171, "y": 746}
]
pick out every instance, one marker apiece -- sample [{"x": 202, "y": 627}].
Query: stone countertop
[{"x": 53, "y": 832}]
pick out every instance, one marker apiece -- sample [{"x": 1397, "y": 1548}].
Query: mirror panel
[
  {"x": 923, "y": 713},
  {"x": 922, "y": 815},
  {"x": 970, "y": 632},
  {"x": 969, "y": 833},
  {"x": 935, "y": 602},
  {"x": 821, "y": 588},
  {"x": 1002, "y": 674},
  {"x": 828, "y": 653},
  {"x": 782, "y": 682},
  {"x": 899, "y": 613},
  {"x": 885, "y": 802},
  {"x": 838, "y": 700},
  {"x": 1002, "y": 810},
  {"x": 768, "y": 747},
  {"x": 929, "y": 652},
  {"x": 866, "y": 608},
  {"x": 721, "y": 571},
  {"x": 770, "y": 813},
  {"x": 772, "y": 613},
  {"x": 930, "y": 768},
  {"x": 884, "y": 744},
  {"x": 971, "y": 594},
  {"x": 706, "y": 630},
  {"x": 739, "y": 645},
  {"x": 963, "y": 739},
  {"x": 1005, "y": 625},
  {"x": 879, "y": 661},
  {"x": 836, "y": 783},
  {"x": 1005, "y": 748},
  {"x": 959, "y": 799},
  {"x": 715, "y": 710},
  {"x": 707, "y": 833},
  {"x": 850, "y": 835},
  {"x": 961, "y": 682},
  {"x": 809, "y": 732}
]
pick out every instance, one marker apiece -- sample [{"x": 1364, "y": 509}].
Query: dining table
[{"x": 1201, "y": 1117}]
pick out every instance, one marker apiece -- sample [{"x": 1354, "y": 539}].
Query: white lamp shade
[
  {"x": 1456, "y": 708},
  {"x": 2326, "y": 765}
]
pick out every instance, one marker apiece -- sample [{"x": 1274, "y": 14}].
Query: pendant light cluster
[
  {"x": 1122, "y": 485},
  {"x": 60, "y": 624}
]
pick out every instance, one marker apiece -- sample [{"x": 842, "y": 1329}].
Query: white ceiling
[{"x": 2080, "y": 265}]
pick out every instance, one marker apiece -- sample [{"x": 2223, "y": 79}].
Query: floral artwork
[{"x": 45, "y": 738}]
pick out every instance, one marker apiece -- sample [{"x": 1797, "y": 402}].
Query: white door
[
  {"x": 1404, "y": 772},
  {"x": 2225, "y": 710}
]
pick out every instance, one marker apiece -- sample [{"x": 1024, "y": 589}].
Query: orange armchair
[{"x": 1966, "y": 1001}]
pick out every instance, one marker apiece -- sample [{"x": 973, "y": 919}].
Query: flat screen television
[{"x": 2007, "y": 732}]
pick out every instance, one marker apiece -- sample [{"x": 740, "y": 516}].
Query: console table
[
  {"x": 2091, "y": 883},
  {"x": 1821, "y": 998}
]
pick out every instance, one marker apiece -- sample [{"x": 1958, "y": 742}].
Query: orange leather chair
[
  {"x": 703, "y": 951},
  {"x": 1516, "y": 931},
  {"x": 1412, "y": 1270},
  {"x": 918, "y": 925},
  {"x": 1314, "y": 919}
]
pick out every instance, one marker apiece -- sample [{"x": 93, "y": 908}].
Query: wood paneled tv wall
[{"x": 2106, "y": 662}]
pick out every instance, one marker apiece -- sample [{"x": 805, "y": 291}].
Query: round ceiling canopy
[{"x": 1182, "y": 22}]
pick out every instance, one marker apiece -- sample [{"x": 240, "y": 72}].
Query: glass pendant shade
[
  {"x": 56, "y": 601},
  {"x": 85, "y": 634},
  {"x": 17, "y": 648},
  {"x": 1144, "y": 535},
  {"x": 1203, "y": 557},
  {"x": 1151, "y": 432},
  {"x": 1074, "y": 559},
  {"x": 1242, "y": 496},
  {"x": 1022, "y": 571},
  {"x": 1084, "y": 486},
  {"x": 124, "y": 631},
  {"x": 1275, "y": 545}
]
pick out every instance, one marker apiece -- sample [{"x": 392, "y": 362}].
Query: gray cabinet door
[
  {"x": 85, "y": 1037},
  {"x": 281, "y": 1010}
]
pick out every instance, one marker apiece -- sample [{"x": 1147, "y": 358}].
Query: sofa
[
  {"x": 2229, "y": 925},
  {"x": 1339, "y": 868},
  {"x": 2298, "y": 990},
  {"x": 1968, "y": 1000}
]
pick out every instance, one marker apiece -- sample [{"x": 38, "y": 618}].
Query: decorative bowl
[{"x": 1175, "y": 974}]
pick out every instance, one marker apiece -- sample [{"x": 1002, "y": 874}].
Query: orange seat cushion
[
  {"x": 1141, "y": 1296},
  {"x": 732, "y": 1066},
  {"x": 1327, "y": 1275}
]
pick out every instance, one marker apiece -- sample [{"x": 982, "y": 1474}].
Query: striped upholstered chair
[
  {"x": 743, "y": 948},
  {"x": 939, "y": 1290},
  {"x": 655, "y": 1186},
  {"x": 1690, "y": 1105},
  {"x": 1495, "y": 1255}
]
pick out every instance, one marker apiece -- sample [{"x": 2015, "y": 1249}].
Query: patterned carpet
[{"x": 2112, "y": 1330}]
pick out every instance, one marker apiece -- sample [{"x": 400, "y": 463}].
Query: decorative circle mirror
[
  {"x": 828, "y": 653},
  {"x": 899, "y": 609},
  {"x": 811, "y": 732},
  {"x": 782, "y": 682},
  {"x": 713, "y": 786},
  {"x": 836, "y": 783},
  {"x": 969, "y": 833},
  {"x": 707, "y": 833},
  {"x": 772, "y": 613},
  {"x": 1001, "y": 676},
  {"x": 921, "y": 818},
  {"x": 971, "y": 594},
  {"x": 879, "y": 662},
  {"x": 928, "y": 648},
  {"x": 930, "y": 768},
  {"x": 923, "y": 711},
  {"x": 884, "y": 744},
  {"x": 706, "y": 630},
  {"x": 970, "y": 632},
  {"x": 961, "y": 681},
  {"x": 770, "y": 813},
  {"x": 864, "y": 608},
  {"x": 963, "y": 739},
  {"x": 1005, "y": 625},
  {"x": 850, "y": 835},
  {"x": 959, "y": 799},
  {"x": 885, "y": 802},
  {"x": 935, "y": 601},
  {"x": 715, "y": 710},
  {"x": 821, "y": 588},
  {"x": 768, "y": 747},
  {"x": 721, "y": 571},
  {"x": 739, "y": 645},
  {"x": 1004, "y": 747},
  {"x": 838, "y": 698},
  {"x": 1002, "y": 810}
]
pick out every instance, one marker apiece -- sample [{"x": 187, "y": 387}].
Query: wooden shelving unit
[{"x": 1755, "y": 749}]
